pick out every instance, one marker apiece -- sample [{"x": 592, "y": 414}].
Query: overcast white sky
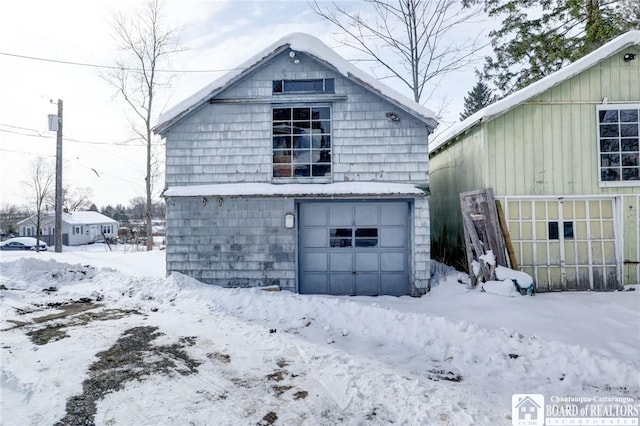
[{"x": 218, "y": 35}]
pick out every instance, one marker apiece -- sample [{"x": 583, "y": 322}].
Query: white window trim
[{"x": 617, "y": 183}]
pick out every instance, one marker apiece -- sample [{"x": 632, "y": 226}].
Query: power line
[
  {"x": 73, "y": 164},
  {"x": 40, "y": 135},
  {"x": 25, "y": 152},
  {"x": 110, "y": 67},
  {"x": 123, "y": 143},
  {"x": 18, "y": 127}
]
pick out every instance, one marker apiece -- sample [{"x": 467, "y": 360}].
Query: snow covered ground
[{"x": 112, "y": 339}]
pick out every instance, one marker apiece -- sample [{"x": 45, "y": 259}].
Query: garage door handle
[{"x": 353, "y": 272}]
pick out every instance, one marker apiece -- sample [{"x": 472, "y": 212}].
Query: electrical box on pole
[{"x": 53, "y": 123}]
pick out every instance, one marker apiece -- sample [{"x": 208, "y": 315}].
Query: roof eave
[
  {"x": 429, "y": 121},
  {"x": 451, "y": 139},
  {"x": 624, "y": 41},
  {"x": 161, "y": 128}
]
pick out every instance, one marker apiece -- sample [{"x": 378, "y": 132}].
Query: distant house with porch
[{"x": 77, "y": 227}]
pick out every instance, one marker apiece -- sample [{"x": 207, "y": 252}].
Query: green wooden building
[{"x": 562, "y": 156}]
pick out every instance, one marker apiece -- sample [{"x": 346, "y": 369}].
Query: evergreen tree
[
  {"x": 108, "y": 211},
  {"x": 477, "y": 98},
  {"x": 538, "y": 37}
]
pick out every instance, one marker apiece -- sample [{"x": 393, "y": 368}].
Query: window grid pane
[
  {"x": 344, "y": 237},
  {"x": 340, "y": 237},
  {"x": 301, "y": 142},
  {"x": 618, "y": 143}
]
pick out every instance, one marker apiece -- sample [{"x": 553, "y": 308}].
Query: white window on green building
[{"x": 619, "y": 144}]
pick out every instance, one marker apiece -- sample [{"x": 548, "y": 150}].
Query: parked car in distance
[{"x": 22, "y": 243}]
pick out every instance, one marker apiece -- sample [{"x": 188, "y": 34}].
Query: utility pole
[{"x": 58, "y": 233}]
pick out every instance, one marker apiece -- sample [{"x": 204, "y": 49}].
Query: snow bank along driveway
[{"x": 87, "y": 345}]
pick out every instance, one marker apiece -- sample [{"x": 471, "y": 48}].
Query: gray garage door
[{"x": 354, "y": 248}]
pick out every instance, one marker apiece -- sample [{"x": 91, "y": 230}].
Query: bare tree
[
  {"x": 147, "y": 42},
  {"x": 413, "y": 40},
  {"x": 73, "y": 199},
  {"x": 137, "y": 207},
  {"x": 77, "y": 199},
  {"x": 10, "y": 215},
  {"x": 39, "y": 185}
]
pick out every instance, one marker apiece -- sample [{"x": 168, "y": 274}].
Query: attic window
[{"x": 319, "y": 85}]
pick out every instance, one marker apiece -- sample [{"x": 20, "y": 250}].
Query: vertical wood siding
[
  {"x": 545, "y": 147},
  {"x": 631, "y": 250},
  {"x": 461, "y": 167},
  {"x": 548, "y": 146}
]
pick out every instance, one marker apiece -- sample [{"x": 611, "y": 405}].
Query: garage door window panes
[
  {"x": 567, "y": 228},
  {"x": 353, "y": 237},
  {"x": 302, "y": 142},
  {"x": 340, "y": 237},
  {"x": 366, "y": 237},
  {"x": 618, "y": 142}
]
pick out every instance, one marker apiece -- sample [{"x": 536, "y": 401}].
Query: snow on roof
[
  {"x": 74, "y": 218},
  {"x": 300, "y": 189},
  {"x": 79, "y": 218},
  {"x": 304, "y": 43},
  {"x": 508, "y": 103}
]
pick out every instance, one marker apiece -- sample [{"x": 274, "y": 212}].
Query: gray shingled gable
[{"x": 308, "y": 45}]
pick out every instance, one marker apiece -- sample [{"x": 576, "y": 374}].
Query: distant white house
[{"x": 77, "y": 227}]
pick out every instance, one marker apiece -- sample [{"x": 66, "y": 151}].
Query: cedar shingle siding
[{"x": 242, "y": 241}]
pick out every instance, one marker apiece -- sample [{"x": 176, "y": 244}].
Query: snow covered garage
[
  {"x": 563, "y": 158},
  {"x": 299, "y": 170}
]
